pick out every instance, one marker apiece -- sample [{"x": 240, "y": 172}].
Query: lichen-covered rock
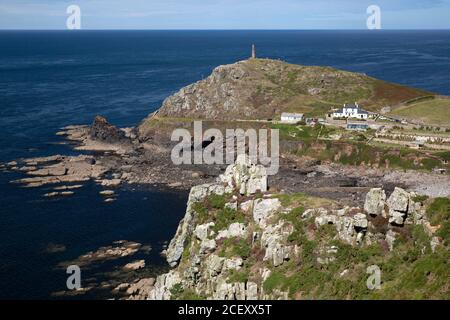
[
  {"x": 247, "y": 177},
  {"x": 360, "y": 221},
  {"x": 246, "y": 206},
  {"x": 375, "y": 201},
  {"x": 186, "y": 226},
  {"x": 207, "y": 245},
  {"x": 396, "y": 217},
  {"x": 274, "y": 240},
  {"x": 214, "y": 265},
  {"x": 163, "y": 284},
  {"x": 234, "y": 230},
  {"x": 399, "y": 200},
  {"x": 263, "y": 209},
  {"x": 233, "y": 264},
  {"x": 202, "y": 231}
]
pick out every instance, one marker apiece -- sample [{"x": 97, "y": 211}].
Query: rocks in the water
[
  {"x": 136, "y": 265},
  {"x": 72, "y": 187},
  {"x": 105, "y": 132},
  {"x": 107, "y": 193},
  {"x": 111, "y": 183},
  {"x": 375, "y": 201},
  {"x": 61, "y": 169},
  {"x": 58, "y": 194},
  {"x": 119, "y": 249},
  {"x": 248, "y": 178},
  {"x": 139, "y": 290}
]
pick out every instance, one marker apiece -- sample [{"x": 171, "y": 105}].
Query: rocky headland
[{"x": 308, "y": 232}]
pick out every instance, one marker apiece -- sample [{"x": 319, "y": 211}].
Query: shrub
[
  {"x": 217, "y": 201},
  {"x": 438, "y": 211},
  {"x": 227, "y": 216}
]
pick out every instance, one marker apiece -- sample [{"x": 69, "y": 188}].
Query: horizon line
[{"x": 217, "y": 29}]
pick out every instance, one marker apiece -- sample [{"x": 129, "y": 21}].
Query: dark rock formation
[{"x": 101, "y": 130}]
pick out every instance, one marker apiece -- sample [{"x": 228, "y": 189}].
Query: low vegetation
[
  {"x": 410, "y": 271},
  {"x": 431, "y": 111}
]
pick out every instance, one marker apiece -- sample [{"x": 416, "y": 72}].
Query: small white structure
[
  {"x": 351, "y": 111},
  {"x": 291, "y": 117}
]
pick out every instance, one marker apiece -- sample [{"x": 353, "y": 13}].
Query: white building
[
  {"x": 291, "y": 117},
  {"x": 351, "y": 111}
]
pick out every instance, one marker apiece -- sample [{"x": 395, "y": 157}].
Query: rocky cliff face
[
  {"x": 238, "y": 241},
  {"x": 263, "y": 88}
]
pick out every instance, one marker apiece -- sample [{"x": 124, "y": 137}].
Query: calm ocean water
[{"x": 54, "y": 78}]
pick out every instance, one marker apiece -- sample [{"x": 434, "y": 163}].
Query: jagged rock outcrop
[
  {"x": 248, "y": 178},
  {"x": 186, "y": 226},
  {"x": 237, "y": 261},
  {"x": 103, "y": 131},
  {"x": 274, "y": 239},
  {"x": 243, "y": 176},
  {"x": 264, "y": 209},
  {"x": 235, "y": 230},
  {"x": 398, "y": 204},
  {"x": 375, "y": 201}
]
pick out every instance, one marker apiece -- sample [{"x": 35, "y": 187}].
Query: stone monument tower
[{"x": 253, "y": 51}]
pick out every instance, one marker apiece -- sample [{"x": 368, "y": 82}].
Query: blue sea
[{"x": 50, "y": 79}]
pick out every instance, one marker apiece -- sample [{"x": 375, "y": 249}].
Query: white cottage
[
  {"x": 351, "y": 111},
  {"x": 291, "y": 117}
]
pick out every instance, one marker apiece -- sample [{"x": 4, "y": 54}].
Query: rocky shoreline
[
  {"x": 264, "y": 214},
  {"x": 112, "y": 156}
]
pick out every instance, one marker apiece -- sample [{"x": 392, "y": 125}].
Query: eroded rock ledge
[{"x": 236, "y": 238}]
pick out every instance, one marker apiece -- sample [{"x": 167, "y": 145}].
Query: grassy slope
[
  {"x": 411, "y": 271},
  {"x": 352, "y": 149},
  {"x": 270, "y": 87},
  {"x": 436, "y": 111}
]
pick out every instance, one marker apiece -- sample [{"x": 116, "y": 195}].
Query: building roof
[
  {"x": 352, "y": 106},
  {"x": 292, "y": 115}
]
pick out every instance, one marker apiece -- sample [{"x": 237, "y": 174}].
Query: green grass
[
  {"x": 438, "y": 212},
  {"x": 225, "y": 217},
  {"x": 233, "y": 247},
  {"x": 411, "y": 271},
  {"x": 435, "y": 111},
  {"x": 179, "y": 293}
]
